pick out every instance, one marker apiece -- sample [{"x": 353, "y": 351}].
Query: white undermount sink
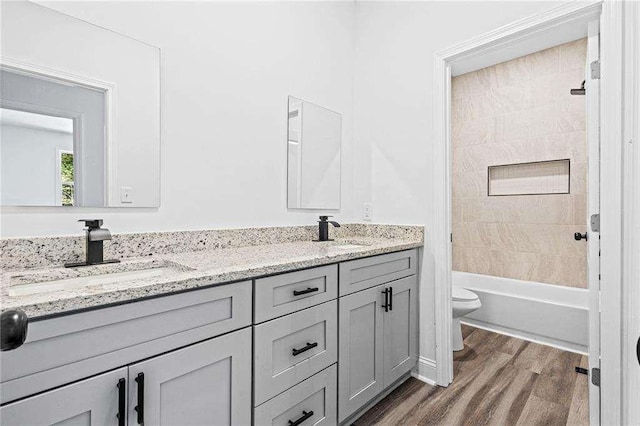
[
  {"x": 105, "y": 278},
  {"x": 349, "y": 246}
]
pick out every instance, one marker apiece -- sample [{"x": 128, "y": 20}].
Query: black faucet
[
  {"x": 323, "y": 228},
  {"x": 94, "y": 237}
]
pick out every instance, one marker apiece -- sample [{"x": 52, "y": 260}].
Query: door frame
[
  {"x": 535, "y": 32},
  {"x": 631, "y": 197},
  {"x": 592, "y": 101}
]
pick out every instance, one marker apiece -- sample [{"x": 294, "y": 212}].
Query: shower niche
[{"x": 534, "y": 178}]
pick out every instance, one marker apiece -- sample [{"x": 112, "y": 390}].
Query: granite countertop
[{"x": 178, "y": 272}]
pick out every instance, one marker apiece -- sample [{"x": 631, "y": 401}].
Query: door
[
  {"x": 93, "y": 401},
  {"x": 360, "y": 350},
  {"x": 593, "y": 208},
  {"x": 207, "y": 383},
  {"x": 400, "y": 336}
]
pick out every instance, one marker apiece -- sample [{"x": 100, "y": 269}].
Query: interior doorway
[{"x": 560, "y": 26}]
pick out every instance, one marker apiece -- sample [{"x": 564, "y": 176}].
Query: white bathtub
[{"x": 545, "y": 313}]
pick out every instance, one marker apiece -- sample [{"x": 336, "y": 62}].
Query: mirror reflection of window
[
  {"x": 40, "y": 114},
  {"x": 36, "y": 158},
  {"x": 66, "y": 178}
]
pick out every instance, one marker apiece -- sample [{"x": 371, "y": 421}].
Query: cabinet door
[
  {"x": 400, "y": 335},
  {"x": 92, "y": 401},
  {"x": 208, "y": 383},
  {"x": 360, "y": 350}
]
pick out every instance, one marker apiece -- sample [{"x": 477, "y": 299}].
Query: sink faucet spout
[
  {"x": 323, "y": 228},
  {"x": 95, "y": 236}
]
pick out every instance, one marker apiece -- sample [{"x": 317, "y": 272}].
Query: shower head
[{"x": 580, "y": 91}]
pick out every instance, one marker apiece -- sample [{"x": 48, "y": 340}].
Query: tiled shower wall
[{"x": 514, "y": 112}]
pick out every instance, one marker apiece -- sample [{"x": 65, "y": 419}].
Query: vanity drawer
[
  {"x": 68, "y": 348},
  {"x": 315, "y": 395},
  {"x": 360, "y": 274},
  {"x": 282, "y": 294},
  {"x": 293, "y": 348}
]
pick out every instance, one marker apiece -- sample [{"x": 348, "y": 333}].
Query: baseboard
[
  {"x": 560, "y": 344},
  {"x": 425, "y": 371}
]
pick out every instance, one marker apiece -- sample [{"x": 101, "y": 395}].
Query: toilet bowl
[{"x": 463, "y": 302}]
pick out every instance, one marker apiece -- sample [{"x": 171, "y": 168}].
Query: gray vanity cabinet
[
  {"x": 360, "y": 359},
  {"x": 377, "y": 332},
  {"x": 92, "y": 402},
  {"x": 208, "y": 383}
]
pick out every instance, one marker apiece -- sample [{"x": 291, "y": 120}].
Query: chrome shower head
[{"x": 580, "y": 91}]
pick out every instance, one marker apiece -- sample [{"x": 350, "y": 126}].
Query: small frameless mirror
[{"x": 314, "y": 139}]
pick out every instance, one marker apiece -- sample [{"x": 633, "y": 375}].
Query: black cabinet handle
[
  {"x": 140, "y": 407},
  {"x": 297, "y": 352},
  {"x": 13, "y": 329},
  {"x": 386, "y": 300},
  {"x": 638, "y": 350},
  {"x": 305, "y": 416},
  {"x": 391, "y": 298},
  {"x": 301, "y": 292},
  {"x": 578, "y": 236},
  {"x": 122, "y": 388}
]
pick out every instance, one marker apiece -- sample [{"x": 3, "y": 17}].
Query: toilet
[{"x": 463, "y": 302}]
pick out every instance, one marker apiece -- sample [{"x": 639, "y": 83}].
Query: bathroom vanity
[{"x": 305, "y": 346}]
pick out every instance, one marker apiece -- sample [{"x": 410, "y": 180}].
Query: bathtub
[{"x": 542, "y": 313}]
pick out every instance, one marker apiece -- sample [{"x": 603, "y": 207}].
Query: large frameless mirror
[
  {"x": 314, "y": 147},
  {"x": 79, "y": 113}
]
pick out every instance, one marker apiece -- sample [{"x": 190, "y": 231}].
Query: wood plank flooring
[{"x": 498, "y": 380}]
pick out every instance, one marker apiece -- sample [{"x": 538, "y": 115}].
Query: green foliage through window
[{"x": 66, "y": 177}]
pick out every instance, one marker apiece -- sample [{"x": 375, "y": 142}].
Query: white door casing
[{"x": 592, "y": 86}]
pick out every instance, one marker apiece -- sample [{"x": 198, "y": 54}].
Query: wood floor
[{"x": 498, "y": 380}]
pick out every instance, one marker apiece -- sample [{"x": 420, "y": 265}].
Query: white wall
[
  {"x": 28, "y": 158},
  {"x": 396, "y": 43},
  {"x": 226, "y": 72}
]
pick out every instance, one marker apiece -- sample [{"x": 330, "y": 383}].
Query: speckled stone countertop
[{"x": 183, "y": 271}]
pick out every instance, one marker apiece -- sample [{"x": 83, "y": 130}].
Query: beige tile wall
[{"x": 520, "y": 111}]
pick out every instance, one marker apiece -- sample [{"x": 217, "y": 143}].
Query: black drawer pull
[
  {"x": 391, "y": 298},
  {"x": 305, "y": 416},
  {"x": 386, "y": 299},
  {"x": 301, "y": 292},
  {"x": 140, "y": 407},
  {"x": 122, "y": 388},
  {"x": 306, "y": 348}
]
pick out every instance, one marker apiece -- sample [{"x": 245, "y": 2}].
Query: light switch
[{"x": 126, "y": 195}]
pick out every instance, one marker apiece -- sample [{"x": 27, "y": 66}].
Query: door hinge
[
  {"x": 595, "y": 222},
  {"x": 595, "y": 70},
  {"x": 595, "y": 376}
]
